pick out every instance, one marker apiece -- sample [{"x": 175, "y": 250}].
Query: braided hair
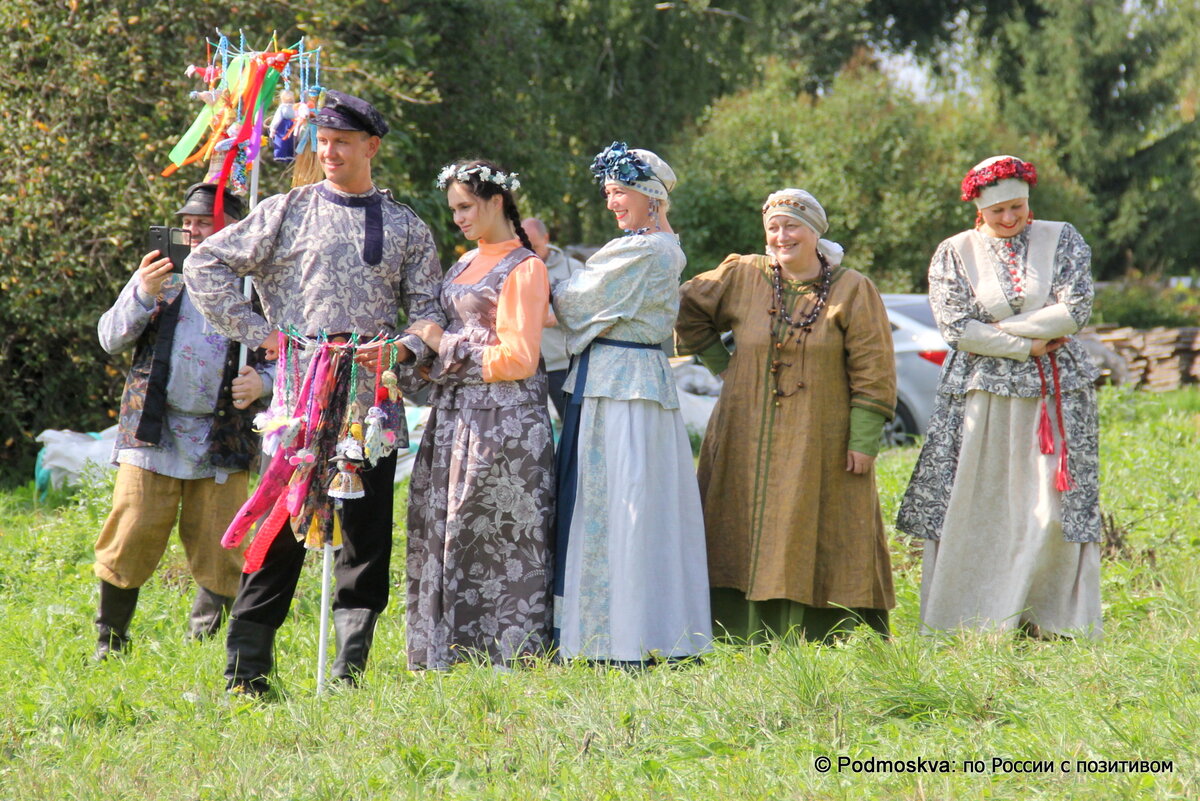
[{"x": 485, "y": 190}]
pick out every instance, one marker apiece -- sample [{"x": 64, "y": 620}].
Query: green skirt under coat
[{"x": 736, "y": 618}]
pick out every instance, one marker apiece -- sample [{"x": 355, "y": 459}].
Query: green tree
[
  {"x": 95, "y": 98},
  {"x": 1109, "y": 90},
  {"x": 886, "y": 168},
  {"x": 542, "y": 85}
]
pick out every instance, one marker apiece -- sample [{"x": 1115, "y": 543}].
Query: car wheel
[{"x": 900, "y": 430}]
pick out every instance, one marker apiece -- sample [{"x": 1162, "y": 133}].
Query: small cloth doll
[
  {"x": 238, "y": 180},
  {"x": 390, "y": 400},
  {"x": 306, "y": 169},
  {"x": 277, "y": 429},
  {"x": 282, "y": 142},
  {"x": 347, "y": 483},
  {"x": 210, "y": 73},
  {"x": 380, "y": 441}
]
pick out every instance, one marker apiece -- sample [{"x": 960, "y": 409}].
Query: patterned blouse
[
  {"x": 995, "y": 358},
  {"x": 628, "y": 291},
  {"x": 321, "y": 260}
]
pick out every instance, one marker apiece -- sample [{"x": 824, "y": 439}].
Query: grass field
[{"x": 750, "y": 723}]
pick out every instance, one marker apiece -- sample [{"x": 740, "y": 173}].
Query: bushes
[
  {"x": 886, "y": 168},
  {"x": 1141, "y": 303},
  {"x": 95, "y": 99}
]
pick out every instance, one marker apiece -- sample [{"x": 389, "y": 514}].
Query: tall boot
[
  {"x": 208, "y": 612},
  {"x": 112, "y": 619},
  {"x": 355, "y": 630},
  {"x": 249, "y": 649}
]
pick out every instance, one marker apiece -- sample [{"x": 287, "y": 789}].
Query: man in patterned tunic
[
  {"x": 183, "y": 444},
  {"x": 339, "y": 257}
]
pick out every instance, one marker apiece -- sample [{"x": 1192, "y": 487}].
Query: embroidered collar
[{"x": 372, "y": 198}]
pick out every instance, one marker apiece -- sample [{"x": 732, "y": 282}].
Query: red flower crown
[{"x": 979, "y": 179}]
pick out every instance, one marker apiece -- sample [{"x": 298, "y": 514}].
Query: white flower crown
[{"x": 452, "y": 172}]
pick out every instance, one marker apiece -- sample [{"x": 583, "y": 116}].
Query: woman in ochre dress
[{"x": 795, "y": 535}]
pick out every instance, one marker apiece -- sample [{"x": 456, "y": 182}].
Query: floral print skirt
[{"x": 480, "y": 516}]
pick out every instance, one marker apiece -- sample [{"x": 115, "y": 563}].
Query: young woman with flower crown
[
  {"x": 631, "y": 584},
  {"x": 481, "y": 504},
  {"x": 1006, "y": 490}
]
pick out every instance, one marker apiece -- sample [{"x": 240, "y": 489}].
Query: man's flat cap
[
  {"x": 199, "y": 198},
  {"x": 349, "y": 113}
]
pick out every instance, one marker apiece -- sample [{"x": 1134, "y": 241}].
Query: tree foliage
[
  {"x": 96, "y": 97},
  {"x": 541, "y": 86},
  {"x": 885, "y": 167},
  {"x": 1109, "y": 89},
  {"x": 1101, "y": 94}
]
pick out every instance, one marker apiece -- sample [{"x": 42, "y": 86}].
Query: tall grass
[{"x": 749, "y": 723}]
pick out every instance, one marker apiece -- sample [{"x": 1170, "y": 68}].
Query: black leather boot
[
  {"x": 208, "y": 613},
  {"x": 249, "y": 649},
  {"x": 355, "y": 629},
  {"x": 112, "y": 619}
]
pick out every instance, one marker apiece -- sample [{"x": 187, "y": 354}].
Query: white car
[{"x": 920, "y": 351}]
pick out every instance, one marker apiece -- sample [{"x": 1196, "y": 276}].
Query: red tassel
[
  {"x": 1045, "y": 432},
  {"x": 381, "y": 393},
  {"x": 267, "y": 531},
  {"x": 1062, "y": 481}
]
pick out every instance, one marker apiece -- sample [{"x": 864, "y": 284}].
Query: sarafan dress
[
  {"x": 481, "y": 504},
  {"x": 1006, "y": 490}
]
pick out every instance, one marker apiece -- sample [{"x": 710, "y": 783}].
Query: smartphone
[{"x": 174, "y": 243}]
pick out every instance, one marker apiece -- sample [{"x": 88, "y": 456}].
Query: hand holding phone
[
  {"x": 152, "y": 272},
  {"x": 174, "y": 243}
]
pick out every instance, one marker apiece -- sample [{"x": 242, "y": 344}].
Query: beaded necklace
[
  {"x": 779, "y": 308},
  {"x": 784, "y": 327}
]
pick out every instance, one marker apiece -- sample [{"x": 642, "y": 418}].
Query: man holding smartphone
[
  {"x": 338, "y": 257},
  {"x": 184, "y": 440}
]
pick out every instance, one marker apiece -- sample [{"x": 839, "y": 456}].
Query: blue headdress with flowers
[
  {"x": 640, "y": 170},
  {"x": 618, "y": 163}
]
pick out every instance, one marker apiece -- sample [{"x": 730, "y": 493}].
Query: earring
[
  {"x": 654, "y": 213},
  {"x": 1029, "y": 219},
  {"x": 978, "y": 219}
]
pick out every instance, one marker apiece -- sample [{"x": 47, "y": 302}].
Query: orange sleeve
[{"x": 520, "y": 317}]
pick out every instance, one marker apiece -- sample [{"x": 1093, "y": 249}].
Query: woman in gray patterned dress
[
  {"x": 1006, "y": 490},
  {"x": 482, "y": 490}
]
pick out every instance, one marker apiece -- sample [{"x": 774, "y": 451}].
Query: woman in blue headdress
[{"x": 631, "y": 580}]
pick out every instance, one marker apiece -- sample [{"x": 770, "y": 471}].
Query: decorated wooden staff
[
  {"x": 318, "y": 444},
  {"x": 319, "y": 260},
  {"x": 241, "y": 86}
]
